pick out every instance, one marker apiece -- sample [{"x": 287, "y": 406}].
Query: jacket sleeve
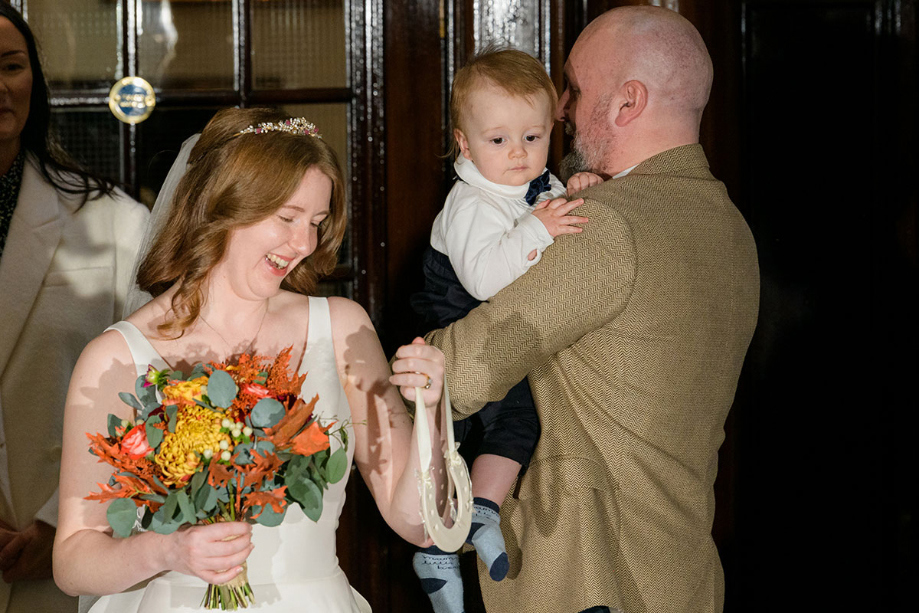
[{"x": 583, "y": 283}]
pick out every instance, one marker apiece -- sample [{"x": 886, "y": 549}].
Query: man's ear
[
  {"x": 462, "y": 142},
  {"x": 632, "y": 100}
]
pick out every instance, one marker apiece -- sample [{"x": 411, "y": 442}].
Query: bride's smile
[{"x": 260, "y": 256}]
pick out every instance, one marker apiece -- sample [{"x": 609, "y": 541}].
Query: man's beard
[{"x": 590, "y": 148}]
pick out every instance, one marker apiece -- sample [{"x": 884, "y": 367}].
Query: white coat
[{"x": 64, "y": 274}]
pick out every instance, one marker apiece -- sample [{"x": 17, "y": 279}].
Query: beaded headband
[{"x": 294, "y": 125}]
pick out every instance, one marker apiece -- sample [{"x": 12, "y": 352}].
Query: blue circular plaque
[{"x": 131, "y": 100}]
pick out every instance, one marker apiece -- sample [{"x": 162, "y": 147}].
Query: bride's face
[{"x": 258, "y": 257}]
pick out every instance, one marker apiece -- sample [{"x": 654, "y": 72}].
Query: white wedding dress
[{"x": 293, "y": 568}]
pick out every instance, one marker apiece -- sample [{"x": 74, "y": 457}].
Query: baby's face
[{"x": 506, "y": 136}]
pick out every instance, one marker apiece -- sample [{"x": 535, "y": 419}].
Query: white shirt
[{"x": 488, "y": 230}]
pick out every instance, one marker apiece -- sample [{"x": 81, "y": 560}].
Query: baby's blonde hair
[{"x": 515, "y": 72}]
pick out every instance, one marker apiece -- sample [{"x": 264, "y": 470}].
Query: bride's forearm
[
  {"x": 405, "y": 507},
  {"x": 90, "y": 562}
]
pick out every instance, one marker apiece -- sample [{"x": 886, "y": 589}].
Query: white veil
[{"x": 136, "y": 297}]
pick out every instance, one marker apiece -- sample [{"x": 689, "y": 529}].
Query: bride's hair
[{"x": 235, "y": 180}]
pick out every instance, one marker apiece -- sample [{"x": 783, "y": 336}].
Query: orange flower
[
  {"x": 135, "y": 443},
  {"x": 312, "y": 440}
]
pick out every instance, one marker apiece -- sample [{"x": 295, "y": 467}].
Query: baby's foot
[
  {"x": 440, "y": 579},
  {"x": 485, "y": 535}
]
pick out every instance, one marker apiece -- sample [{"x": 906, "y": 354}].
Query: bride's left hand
[{"x": 415, "y": 366}]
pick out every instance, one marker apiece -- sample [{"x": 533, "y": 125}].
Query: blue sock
[
  {"x": 439, "y": 572},
  {"x": 485, "y": 535}
]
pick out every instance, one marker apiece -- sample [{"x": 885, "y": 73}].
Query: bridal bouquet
[{"x": 227, "y": 442}]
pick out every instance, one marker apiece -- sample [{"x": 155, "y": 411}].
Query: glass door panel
[
  {"x": 186, "y": 44},
  {"x": 93, "y": 138},
  {"x": 80, "y": 41},
  {"x": 298, "y": 44}
]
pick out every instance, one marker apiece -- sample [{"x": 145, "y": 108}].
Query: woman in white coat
[{"x": 67, "y": 247}]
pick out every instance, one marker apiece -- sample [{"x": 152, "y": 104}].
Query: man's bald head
[
  {"x": 639, "y": 78},
  {"x": 656, "y": 46}
]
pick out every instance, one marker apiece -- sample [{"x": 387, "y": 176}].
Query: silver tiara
[{"x": 294, "y": 125}]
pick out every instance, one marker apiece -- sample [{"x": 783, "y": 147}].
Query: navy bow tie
[{"x": 538, "y": 186}]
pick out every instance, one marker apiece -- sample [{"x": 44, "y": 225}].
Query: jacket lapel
[{"x": 35, "y": 231}]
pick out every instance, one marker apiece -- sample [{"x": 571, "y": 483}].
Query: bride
[{"x": 257, "y": 217}]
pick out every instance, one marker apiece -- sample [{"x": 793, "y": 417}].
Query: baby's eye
[
  {"x": 497, "y": 141},
  {"x": 286, "y": 219},
  {"x": 531, "y": 138}
]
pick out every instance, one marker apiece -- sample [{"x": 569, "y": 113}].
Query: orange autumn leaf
[
  {"x": 261, "y": 468},
  {"x": 312, "y": 440},
  {"x": 275, "y": 498},
  {"x": 103, "y": 449},
  {"x": 107, "y": 492},
  {"x": 218, "y": 474},
  {"x": 291, "y": 423}
]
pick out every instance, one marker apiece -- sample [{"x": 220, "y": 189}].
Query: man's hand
[
  {"x": 582, "y": 180},
  {"x": 554, "y": 215},
  {"x": 27, "y": 554}
]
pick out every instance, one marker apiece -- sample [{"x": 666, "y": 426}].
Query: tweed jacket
[
  {"x": 632, "y": 334},
  {"x": 63, "y": 277}
]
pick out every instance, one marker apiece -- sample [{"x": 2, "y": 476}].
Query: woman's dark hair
[{"x": 39, "y": 137}]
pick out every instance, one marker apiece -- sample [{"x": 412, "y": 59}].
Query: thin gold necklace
[{"x": 225, "y": 342}]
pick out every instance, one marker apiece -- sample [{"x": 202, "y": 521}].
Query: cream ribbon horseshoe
[{"x": 452, "y": 538}]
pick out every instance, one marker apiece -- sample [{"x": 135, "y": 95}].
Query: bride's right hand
[{"x": 214, "y": 553}]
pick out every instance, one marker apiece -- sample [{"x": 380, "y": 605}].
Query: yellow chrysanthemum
[
  {"x": 197, "y": 429},
  {"x": 186, "y": 390}
]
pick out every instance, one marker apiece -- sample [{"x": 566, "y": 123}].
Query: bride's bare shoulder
[
  {"x": 347, "y": 314},
  {"x": 106, "y": 356}
]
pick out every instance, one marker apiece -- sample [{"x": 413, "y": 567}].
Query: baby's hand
[
  {"x": 583, "y": 180},
  {"x": 554, "y": 215}
]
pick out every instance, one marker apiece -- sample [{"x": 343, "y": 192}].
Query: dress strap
[
  {"x": 319, "y": 349},
  {"x": 142, "y": 352}
]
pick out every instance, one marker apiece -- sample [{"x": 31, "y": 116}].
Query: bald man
[{"x": 632, "y": 335}]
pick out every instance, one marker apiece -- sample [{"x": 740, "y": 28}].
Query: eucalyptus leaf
[
  {"x": 169, "y": 507},
  {"x": 307, "y": 493},
  {"x": 264, "y": 447},
  {"x": 269, "y": 517},
  {"x": 171, "y": 411},
  {"x": 121, "y": 515},
  {"x": 146, "y": 395},
  {"x": 113, "y": 422},
  {"x": 186, "y": 507},
  {"x": 221, "y": 389},
  {"x": 162, "y": 526},
  {"x": 337, "y": 466},
  {"x": 197, "y": 480},
  {"x": 159, "y": 483},
  {"x": 206, "y": 499},
  {"x": 154, "y": 435},
  {"x": 130, "y": 400},
  {"x": 266, "y": 413},
  {"x": 297, "y": 467},
  {"x": 243, "y": 453},
  {"x": 197, "y": 371},
  {"x": 223, "y": 494},
  {"x": 153, "y": 498}
]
